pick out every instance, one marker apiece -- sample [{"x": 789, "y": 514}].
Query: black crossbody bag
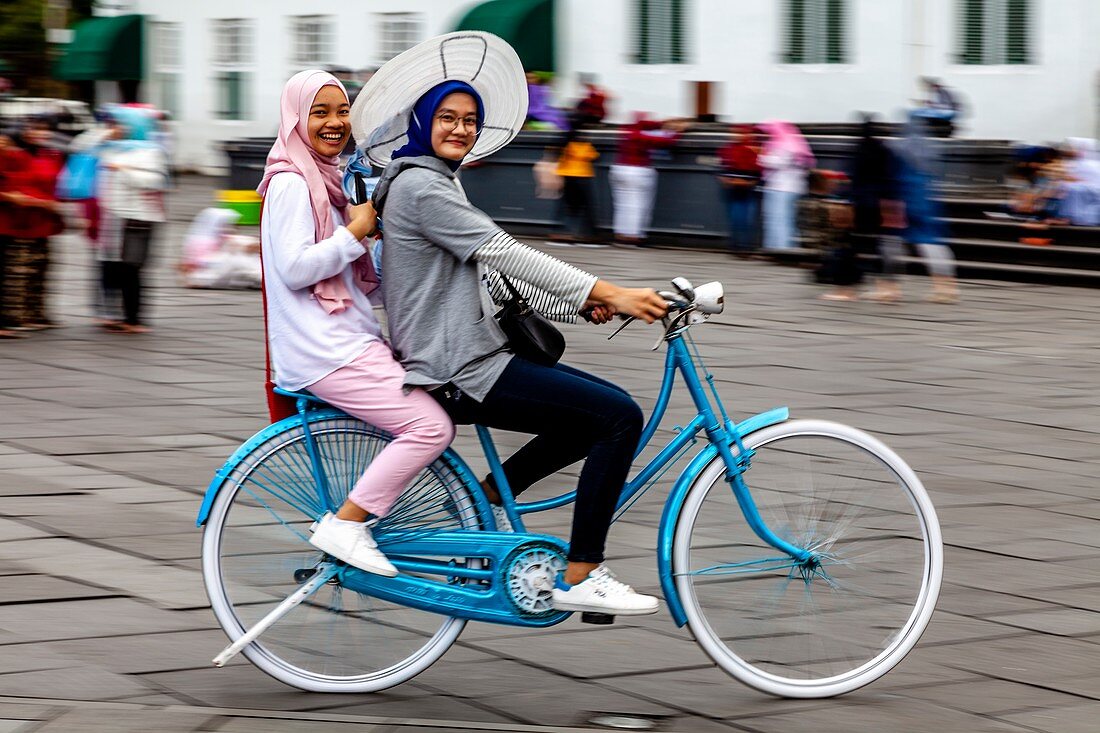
[{"x": 530, "y": 334}]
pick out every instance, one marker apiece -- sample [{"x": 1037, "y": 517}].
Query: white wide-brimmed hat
[{"x": 380, "y": 115}]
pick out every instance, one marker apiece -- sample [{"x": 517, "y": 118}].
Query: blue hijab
[
  {"x": 423, "y": 115},
  {"x": 140, "y": 126}
]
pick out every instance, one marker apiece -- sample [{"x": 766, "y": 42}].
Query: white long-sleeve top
[
  {"x": 133, "y": 188},
  {"x": 307, "y": 343}
]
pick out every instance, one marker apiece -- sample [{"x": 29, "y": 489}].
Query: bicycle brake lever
[{"x": 626, "y": 322}]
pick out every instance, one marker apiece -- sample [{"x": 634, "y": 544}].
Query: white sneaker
[
  {"x": 352, "y": 543},
  {"x": 504, "y": 524},
  {"x": 601, "y": 593}
]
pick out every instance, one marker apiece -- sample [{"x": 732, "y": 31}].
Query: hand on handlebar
[
  {"x": 642, "y": 303},
  {"x": 597, "y": 314}
]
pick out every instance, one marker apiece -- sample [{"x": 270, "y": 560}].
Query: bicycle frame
[{"x": 723, "y": 438}]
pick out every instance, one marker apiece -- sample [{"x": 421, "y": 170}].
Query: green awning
[
  {"x": 103, "y": 48},
  {"x": 526, "y": 24}
]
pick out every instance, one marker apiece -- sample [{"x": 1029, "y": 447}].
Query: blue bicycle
[{"x": 804, "y": 555}]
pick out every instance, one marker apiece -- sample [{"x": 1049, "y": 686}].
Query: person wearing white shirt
[{"x": 322, "y": 332}]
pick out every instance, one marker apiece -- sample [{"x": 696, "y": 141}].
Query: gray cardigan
[{"x": 437, "y": 260}]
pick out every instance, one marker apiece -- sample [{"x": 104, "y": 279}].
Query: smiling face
[
  {"x": 453, "y": 111},
  {"x": 329, "y": 124}
]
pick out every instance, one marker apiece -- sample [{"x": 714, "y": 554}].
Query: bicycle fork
[{"x": 724, "y": 435}]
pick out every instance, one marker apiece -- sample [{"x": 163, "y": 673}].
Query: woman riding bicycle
[
  {"x": 323, "y": 334},
  {"x": 437, "y": 248}
]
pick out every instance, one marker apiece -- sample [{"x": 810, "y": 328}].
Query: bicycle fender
[
  {"x": 667, "y": 530},
  {"x": 220, "y": 476},
  {"x": 247, "y": 447}
]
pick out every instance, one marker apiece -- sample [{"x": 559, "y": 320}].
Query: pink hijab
[
  {"x": 292, "y": 152},
  {"x": 784, "y": 136}
]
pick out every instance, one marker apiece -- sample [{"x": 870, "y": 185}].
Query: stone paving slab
[{"x": 108, "y": 442}]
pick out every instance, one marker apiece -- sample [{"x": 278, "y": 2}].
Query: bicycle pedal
[{"x": 600, "y": 619}]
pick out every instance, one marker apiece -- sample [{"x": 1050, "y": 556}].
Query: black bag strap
[{"x": 512, "y": 289}]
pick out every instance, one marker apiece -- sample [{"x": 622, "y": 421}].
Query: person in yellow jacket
[{"x": 576, "y": 171}]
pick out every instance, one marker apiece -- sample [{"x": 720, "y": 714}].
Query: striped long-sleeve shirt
[{"x": 556, "y": 289}]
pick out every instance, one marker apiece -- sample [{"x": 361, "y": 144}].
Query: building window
[
  {"x": 166, "y": 55},
  {"x": 397, "y": 32},
  {"x": 659, "y": 28},
  {"x": 233, "y": 59},
  {"x": 815, "y": 32},
  {"x": 995, "y": 32},
  {"x": 313, "y": 39}
]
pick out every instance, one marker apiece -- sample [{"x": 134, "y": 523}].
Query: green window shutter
[
  {"x": 642, "y": 18},
  {"x": 971, "y": 43},
  {"x": 659, "y": 28},
  {"x": 995, "y": 31},
  {"x": 796, "y": 32},
  {"x": 1018, "y": 32},
  {"x": 677, "y": 32},
  {"x": 816, "y": 32},
  {"x": 834, "y": 33}
]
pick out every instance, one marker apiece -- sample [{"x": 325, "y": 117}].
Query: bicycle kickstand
[{"x": 321, "y": 577}]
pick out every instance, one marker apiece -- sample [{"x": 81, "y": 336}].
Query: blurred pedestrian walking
[
  {"x": 32, "y": 217},
  {"x": 577, "y": 173},
  {"x": 923, "y": 213},
  {"x": 940, "y": 106},
  {"x": 591, "y": 109},
  {"x": 826, "y": 225},
  {"x": 133, "y": 174},
  {"x": 633, "y": 177},
  {"x": 79, "y": 182},
  {"x": 876, "y": 195},
  {"x": 785, "y": 160},
  {"x": 740, "y": 180}
]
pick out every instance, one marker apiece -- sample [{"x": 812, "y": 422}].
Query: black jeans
[{"x": 573, "y": 416}]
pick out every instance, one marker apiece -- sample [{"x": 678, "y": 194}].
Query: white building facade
[{"x": 1025, "y": 69}]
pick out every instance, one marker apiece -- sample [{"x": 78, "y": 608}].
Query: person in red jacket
[
  {"x": 633, "y": 177},
  {"x": 31, "y": 218},
  {"x": 9, "y": 163},
  {"x": 739, "y": 178}
]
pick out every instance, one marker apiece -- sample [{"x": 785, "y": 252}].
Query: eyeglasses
[{"x": 450, "y": 122}]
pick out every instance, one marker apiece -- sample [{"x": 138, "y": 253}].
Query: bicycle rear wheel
[
  {"x": 256, "y": 553},
  {"x": 810, "y": 631}
]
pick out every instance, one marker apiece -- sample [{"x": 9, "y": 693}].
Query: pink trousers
[{"x": 370, "y": 388}]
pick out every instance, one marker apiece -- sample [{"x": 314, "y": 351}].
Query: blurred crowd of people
[
  {"x": 112, "y": 177},
  {"x": 776, "y": 198},
  {"x": 111, "y": 180},
  {"x": 880, "y": 205}
]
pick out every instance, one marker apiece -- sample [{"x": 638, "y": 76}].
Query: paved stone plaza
[{"x": 108, "y": 441}]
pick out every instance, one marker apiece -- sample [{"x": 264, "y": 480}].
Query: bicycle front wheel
[
  {"x": 810, "y": 630},
  {"x": 256, "y": 552}
]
